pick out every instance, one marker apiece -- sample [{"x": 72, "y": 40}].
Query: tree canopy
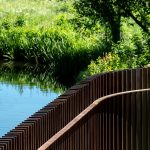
[{"x": 111, "y": 11}]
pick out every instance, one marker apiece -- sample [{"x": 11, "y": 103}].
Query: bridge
[{"x": 109, "y": 111}]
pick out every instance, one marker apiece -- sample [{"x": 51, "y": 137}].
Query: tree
[{"x": 111, "y": 11}]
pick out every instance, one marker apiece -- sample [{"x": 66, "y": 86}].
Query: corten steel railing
[
  {"x": 117, "y": 123},
  {"x": 85, "y": 112}
]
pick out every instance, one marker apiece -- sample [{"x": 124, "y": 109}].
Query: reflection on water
[{"x": 24, "y": 89}]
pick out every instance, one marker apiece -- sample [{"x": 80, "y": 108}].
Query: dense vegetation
[
  {"x": 44, "y": 32},
  {"x": 132, "y": 51},
  {"x": 128, "y": 24},
  {"x": 67, "y": 38},
  {"x": 111, "y": 13}
]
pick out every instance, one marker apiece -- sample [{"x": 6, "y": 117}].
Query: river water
[{"x": 24, "y": 89}]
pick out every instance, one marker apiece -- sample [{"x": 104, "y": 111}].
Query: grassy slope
[
  {"x": 37, "y": 13},
  {"x": 40, "y": 18},
  {"x": 44, "y": 32}
]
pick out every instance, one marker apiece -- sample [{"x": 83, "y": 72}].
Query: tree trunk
[
  {"x": 139, "y": 23},
  {"x": 116, "y": 29}
]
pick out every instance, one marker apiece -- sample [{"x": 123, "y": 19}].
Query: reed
[{"x": 43, "y": 32}]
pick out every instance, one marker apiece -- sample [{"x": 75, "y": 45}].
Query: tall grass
[{"x": 48, "y": 32}]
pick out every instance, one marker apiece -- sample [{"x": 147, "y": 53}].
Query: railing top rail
[{"x": 82, "y": 115}]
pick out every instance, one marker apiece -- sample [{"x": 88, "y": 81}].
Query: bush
[
  {"x": 107, "y": 63},
  {"x": 131, "y": 52},
  {"x": 42, "y": 32},
  {"x": 126, "y": 54}
]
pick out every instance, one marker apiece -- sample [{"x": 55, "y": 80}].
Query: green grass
[
  {"x": 46, "y": 32},
  {"x": 35, "y": 13}
]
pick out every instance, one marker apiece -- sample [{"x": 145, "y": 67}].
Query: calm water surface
[{"x": 22, "y": 92}]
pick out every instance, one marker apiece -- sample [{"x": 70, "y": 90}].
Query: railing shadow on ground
[{"x": 118, "y": 123}]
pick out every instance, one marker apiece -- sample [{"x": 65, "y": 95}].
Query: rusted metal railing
[
  {"x": 83, "y": 114},
  {"x": 117, "y": 123}
]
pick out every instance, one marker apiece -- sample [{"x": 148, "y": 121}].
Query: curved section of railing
[
  {"x": 118, "y": 123},
  {"x": 83, "y": 114}
]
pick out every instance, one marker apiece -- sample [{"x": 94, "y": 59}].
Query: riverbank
[
  {"x": 53, "y": 34},
  {"x": 46, "y": 32}
]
